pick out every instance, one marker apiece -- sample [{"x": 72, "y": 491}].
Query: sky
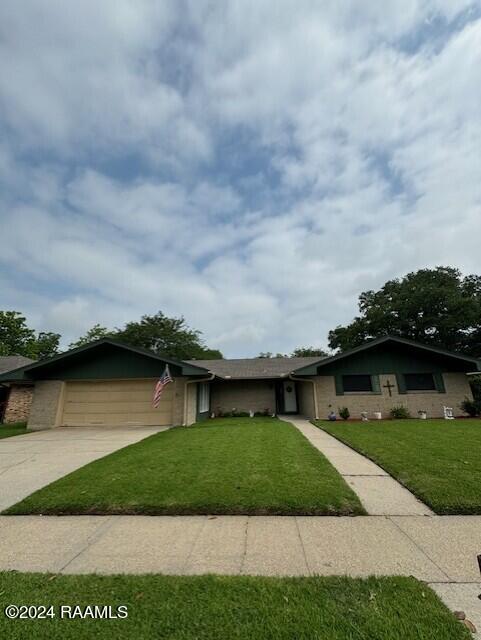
[{"x": 251, "y": 165}]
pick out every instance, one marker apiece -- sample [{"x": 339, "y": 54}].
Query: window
[
  {"x": 357, "y": 384},
  {"x": 204, "y": 397},
  {"x": 419, "y": 382}
]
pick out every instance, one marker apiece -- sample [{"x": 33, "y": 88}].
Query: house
[
  {"x": 108, "y": 383},
  {"x": 15, "y": 399}
]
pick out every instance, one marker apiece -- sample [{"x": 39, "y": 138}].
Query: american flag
[{"x": 161, "y": 384}]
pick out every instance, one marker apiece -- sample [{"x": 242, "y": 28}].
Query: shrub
[
  {"x": 471, "y": 407},
  {"x": 344, "y": 413},
  {"x": 399, "y": 413}
]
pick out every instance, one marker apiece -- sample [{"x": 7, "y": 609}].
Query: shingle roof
[
  {"x": 254, "y": 367},
  {"x": 9, "y": 363}
]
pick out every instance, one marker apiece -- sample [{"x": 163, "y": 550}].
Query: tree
[
  {"x": 170, "y": 337},
  {"x": 95, "y": 333},
  {"x": 269, "y": 354},
  {"x": 305, "y": 352},
  {"x": 167, "y": 336},
  {"x": 437, "y": 306},
  {"x": 46, "y": 345},
  {"x": 16, "y": 338}
]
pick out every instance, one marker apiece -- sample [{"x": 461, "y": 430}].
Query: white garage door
[{"x": 111, "y": 403}]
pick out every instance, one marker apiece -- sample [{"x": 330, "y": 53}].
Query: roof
[
  {"x": 311, "y": 369},
  {"x": 254, "y": 367},
  {"x": 9, "y": 363},
  {"x": 23, "y": 372}
]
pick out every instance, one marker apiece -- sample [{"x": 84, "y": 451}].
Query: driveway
[{"x": 31, "y": 461}]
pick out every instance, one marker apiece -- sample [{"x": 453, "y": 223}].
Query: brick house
[
  {"x": 15, "y": 398},
  {"x": 108, "y": 383}
]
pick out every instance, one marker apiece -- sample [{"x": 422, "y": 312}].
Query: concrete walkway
[
  {"x": 33, "y": 460},
  {"x": 379, "y": 493},
  {"x": 441, "y": 550}
]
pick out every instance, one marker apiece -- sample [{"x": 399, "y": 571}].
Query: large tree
[
  {"x": 434, "y": 306},
  {"x": 16, "y": 338},
  {"x": 300, "y": 352},
  {"x": 303, "y": 352},
  {"x": 170, "y": 337},
  {"x": 95, "y": 333}
]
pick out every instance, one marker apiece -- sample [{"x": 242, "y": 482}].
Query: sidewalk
[
  {"x": 440, "y": 550},
  {"x": 436, "y": 549},
  {"x": 379, "y": 493}
]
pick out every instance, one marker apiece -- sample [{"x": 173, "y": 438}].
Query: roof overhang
[
  {"x": 33, "y": 371},
  {"x": 312, "y": 369}
]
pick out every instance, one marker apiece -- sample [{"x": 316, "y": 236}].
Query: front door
[{"x": 286, "y": 397}]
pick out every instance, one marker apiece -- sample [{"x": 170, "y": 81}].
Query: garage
[{"x": 116, "y": 403}]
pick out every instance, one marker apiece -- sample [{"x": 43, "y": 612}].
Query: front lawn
[
  {"x": 438, "y": 460},
  {"x": 13, "y": 429},
  {"x": 212, "y": 607},
  {"x": 222, "y": 466}
]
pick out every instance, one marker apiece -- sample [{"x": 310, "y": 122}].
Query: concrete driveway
[{"x": 31, "y": 461}]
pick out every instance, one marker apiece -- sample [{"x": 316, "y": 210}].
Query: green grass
[
  {"x": 222, "y": 466},
  {"x": 13, "y": 429},
  {"x": 438, "y": 460},
  {"x": 213, "y": 607}
]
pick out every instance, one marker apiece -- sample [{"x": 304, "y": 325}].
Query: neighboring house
[
  {"x": 108, "y": 383},
  {"x": 15, "y": 399}
]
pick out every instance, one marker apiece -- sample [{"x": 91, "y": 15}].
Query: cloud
[{"x": 251, "y": 168}]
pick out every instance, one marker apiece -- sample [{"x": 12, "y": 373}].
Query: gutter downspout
[
  {"x": 186, "y": 393},
  {"x": 313, "y": 382}
]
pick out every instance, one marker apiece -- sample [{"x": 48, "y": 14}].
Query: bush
[
  {"x": 263, "y": 414},
  {"x": 471, "y": 407},
  {"x": 399, "y": 413},
  {"x": 344, "y": 413}
]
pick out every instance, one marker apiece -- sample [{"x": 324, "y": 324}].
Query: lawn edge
[
  {"x": 355, "y": 509},
  {"x": 425, "y": 499}
]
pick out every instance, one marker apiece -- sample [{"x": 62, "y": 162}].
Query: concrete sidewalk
[
  {"x": 440, "y": 550},
  {"x": 379, "y": 493},
  {"x": 436, "y": 549},
  {"x": 30, "y": 461}
]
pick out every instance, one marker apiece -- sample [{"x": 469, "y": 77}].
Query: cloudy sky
[{"x": 251, "y": 165}]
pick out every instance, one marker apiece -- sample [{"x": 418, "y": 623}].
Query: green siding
[
  {"x": 392, "y": 358},
  {"x": 107, "y": 361}
]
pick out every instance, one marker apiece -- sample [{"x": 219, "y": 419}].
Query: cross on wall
[{"x": 389, "y": 386}]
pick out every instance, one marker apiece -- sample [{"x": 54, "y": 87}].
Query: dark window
[
  {"x": 359, "y": 383},
  {"x": 419, "y": 382}
]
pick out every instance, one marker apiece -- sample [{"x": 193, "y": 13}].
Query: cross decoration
[{"x": 389, "y": 386}]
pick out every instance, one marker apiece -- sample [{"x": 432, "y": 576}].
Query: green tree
[
  {"x": 269, "y": 354},
  {"x": 46, "y": 345},
  {"x": 170, "y": 337},
  {"x": 433, "y": 306},
  {"x": 305, "y": 352},
  {"x": 167, "y": 336},
  {"x": 16, "y": 338},
  {"x": 95, "y": 333}
]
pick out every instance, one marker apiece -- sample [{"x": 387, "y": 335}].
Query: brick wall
[
  {"x": 243, "y": 395},
  {"x": 46, "y": 409},
  {"x": 18, "y": 404},
  {"x": 457, "y": 388}
]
